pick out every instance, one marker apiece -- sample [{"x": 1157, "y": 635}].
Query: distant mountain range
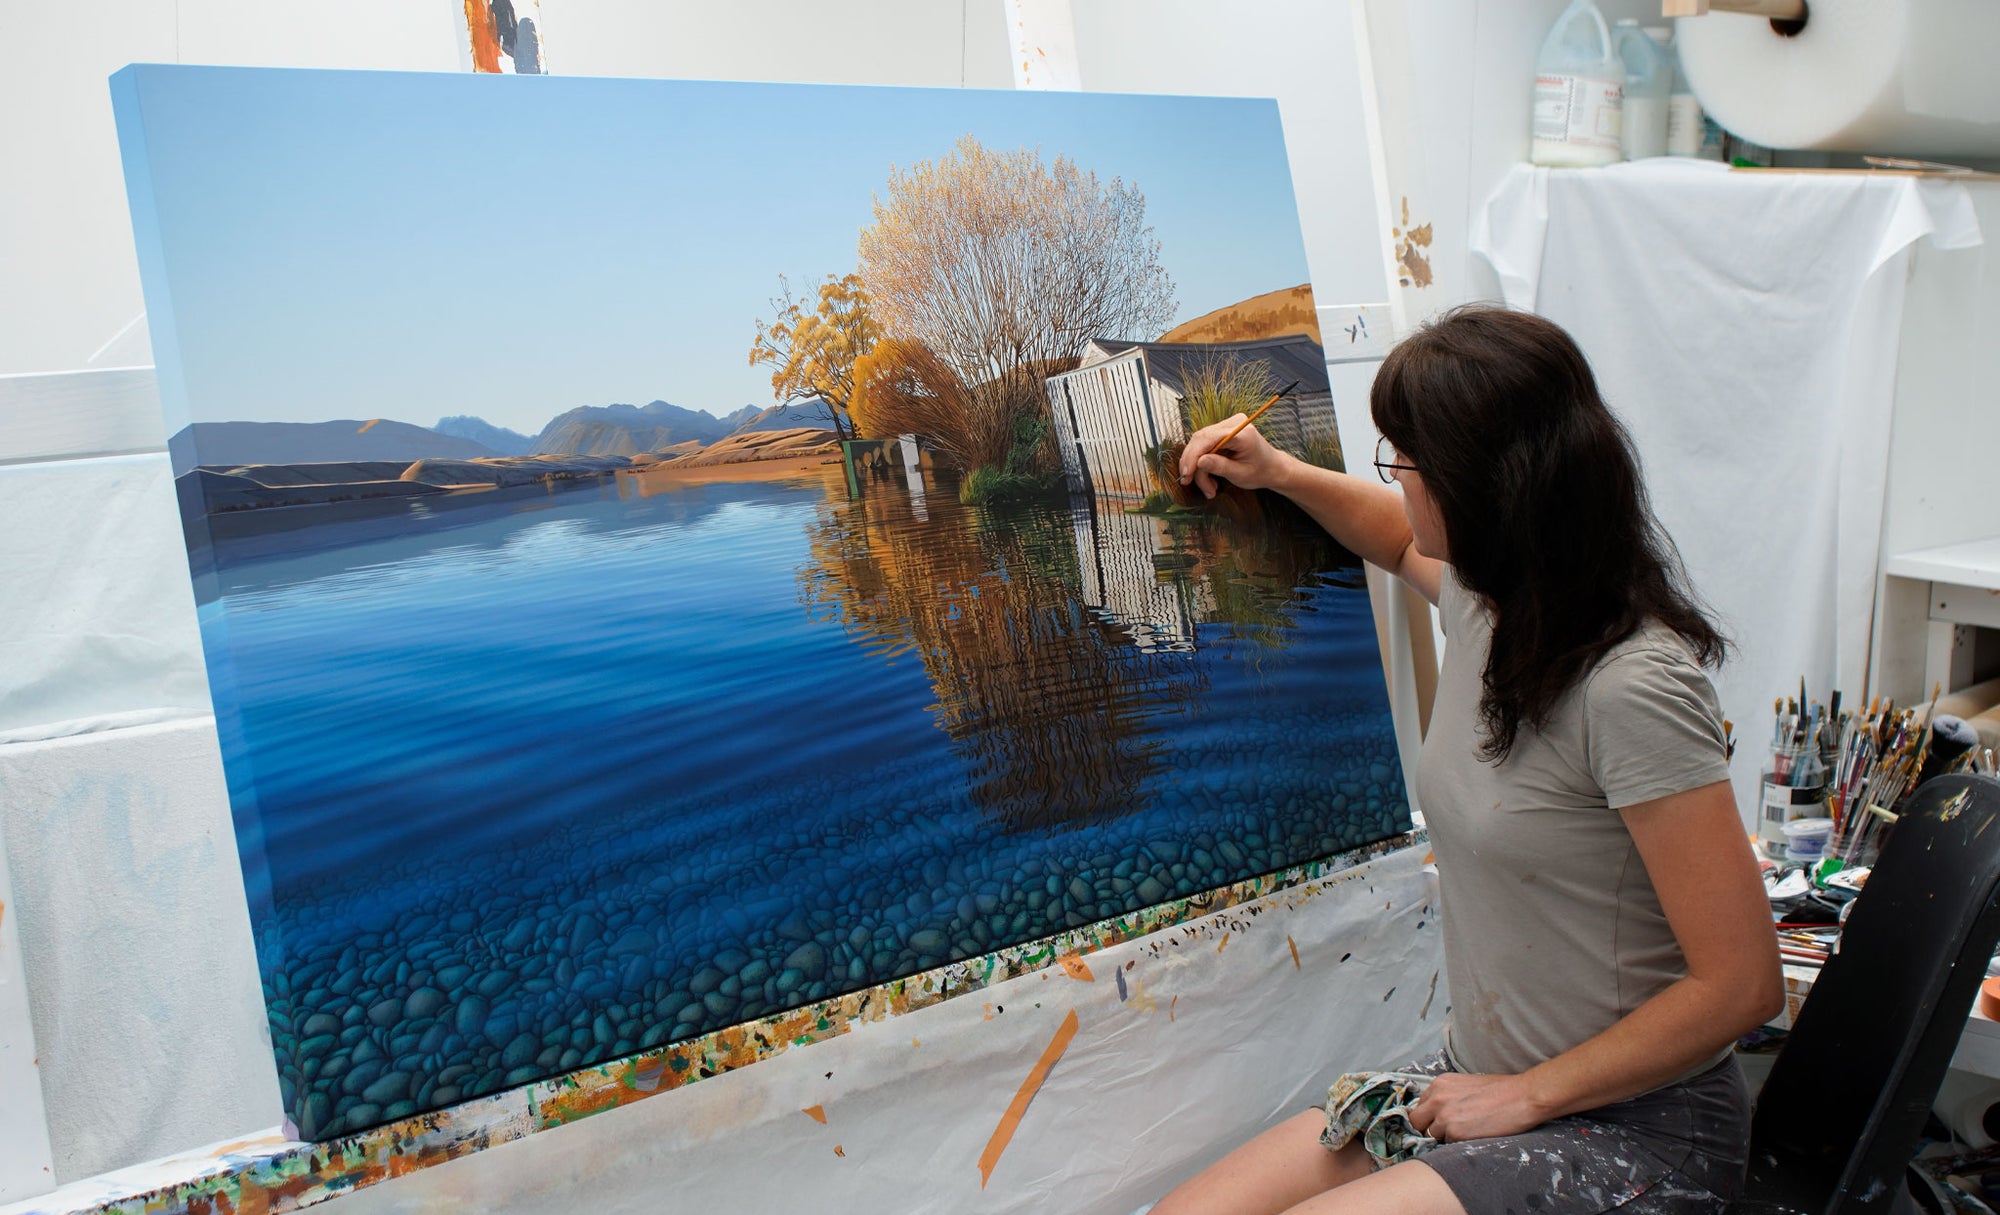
[
  {"x": 231, "y": 444},
  {"x": 479, "y": 430},
  {"x": 626, "y": 430},
  {"x": 591, "y": 430}
]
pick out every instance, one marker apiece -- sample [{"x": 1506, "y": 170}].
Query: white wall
[{"x": 1946, "y": 431}]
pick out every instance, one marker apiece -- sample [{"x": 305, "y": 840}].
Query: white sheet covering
[
  {"x": 1745, "y": 326},
  {"x": 99, "y": 616},
  {"x": 130, "y": 908},
  {"x": 26, "y": 1166}
]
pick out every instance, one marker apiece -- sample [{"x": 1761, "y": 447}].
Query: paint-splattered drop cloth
[{"x": 1677, "y": 1150}]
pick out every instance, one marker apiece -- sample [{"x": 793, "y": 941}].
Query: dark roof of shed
[{"x": 1290, "y": 358}]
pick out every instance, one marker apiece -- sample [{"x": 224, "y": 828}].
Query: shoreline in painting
[{"x": 304, "y": 508}]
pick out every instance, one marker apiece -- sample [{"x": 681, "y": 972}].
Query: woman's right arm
[{"x": 1360, "y": 512}]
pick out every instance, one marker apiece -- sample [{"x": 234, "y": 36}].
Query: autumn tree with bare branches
[
  {"x": 812, "y": 353},
  {"x": 1002, "y": 265},
  {"x": 996, "y": 259}
]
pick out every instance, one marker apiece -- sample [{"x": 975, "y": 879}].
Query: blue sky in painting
[{"x": 353, "y": 245}]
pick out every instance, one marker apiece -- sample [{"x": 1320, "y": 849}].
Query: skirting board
[{"x": 1196, "y": 1024}]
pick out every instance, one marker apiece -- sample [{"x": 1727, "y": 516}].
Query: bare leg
[
  {"x": 1411, "y": 1188},
  {"x": 1274, "y": 1172}
]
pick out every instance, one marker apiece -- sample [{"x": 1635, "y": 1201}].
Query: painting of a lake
[{"x": 557, "y": 732}]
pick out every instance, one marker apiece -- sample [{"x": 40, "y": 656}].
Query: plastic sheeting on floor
[
  {"x": 1745, "y": 327},
  {"x": 1210, "y": 1036},
  {"x": 130, "y": 907},
  {"x": 1114, "y": 1077}
]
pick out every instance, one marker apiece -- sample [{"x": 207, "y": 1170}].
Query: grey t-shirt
[{"x": 1552, "y": 930}]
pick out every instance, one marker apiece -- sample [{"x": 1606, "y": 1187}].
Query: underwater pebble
[{"x": 545, "y": 976}]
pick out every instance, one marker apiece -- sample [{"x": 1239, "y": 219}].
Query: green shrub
[{"x": 986, "y": 485}]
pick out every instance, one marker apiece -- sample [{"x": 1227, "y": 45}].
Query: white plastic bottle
[
  {"x": 1687, "y": 127},
  {"x": 1579, "y": 91},
  {"x": 1649, "y": 81}
]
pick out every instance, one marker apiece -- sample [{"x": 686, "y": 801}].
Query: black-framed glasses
[{"x": 1388, "y": 458}]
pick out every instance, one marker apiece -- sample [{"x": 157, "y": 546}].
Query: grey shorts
[{"x": 1674, "y": 1151}]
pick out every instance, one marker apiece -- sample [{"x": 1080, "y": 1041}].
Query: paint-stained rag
[{"x": 1375, "y": 1108}]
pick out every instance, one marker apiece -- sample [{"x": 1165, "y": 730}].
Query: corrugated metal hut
[{"x": 1124, "y": 401}]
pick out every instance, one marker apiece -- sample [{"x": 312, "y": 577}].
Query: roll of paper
[
  {"x": 1891, "y": 77},
  {"x": 1967, "y": 1104}
]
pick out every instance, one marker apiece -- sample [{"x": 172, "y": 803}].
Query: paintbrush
[{"x": 1276, "y": 397}]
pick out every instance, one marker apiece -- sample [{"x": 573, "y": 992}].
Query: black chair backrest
[{"x": 1848, "y": 1095}]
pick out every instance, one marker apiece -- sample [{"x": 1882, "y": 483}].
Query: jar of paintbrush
[{"x": 1794, "y": 788}]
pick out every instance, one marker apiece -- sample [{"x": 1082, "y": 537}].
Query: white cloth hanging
[{"x": 1745, "y": 327}]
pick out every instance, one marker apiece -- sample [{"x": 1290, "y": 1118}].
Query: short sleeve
[
  {"x": 1455, "y": 604},
  {"x": 1652, "y": 726}
]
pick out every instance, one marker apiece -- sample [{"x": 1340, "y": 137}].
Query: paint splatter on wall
[
  {"x": 1412, "y": 267},
  {"x": 502, "y": 36}
]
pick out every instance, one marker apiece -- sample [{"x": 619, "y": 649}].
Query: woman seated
[{"x": 1606, "y": 935}]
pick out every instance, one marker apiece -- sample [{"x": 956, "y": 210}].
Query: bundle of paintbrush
[
  {"x": 1802, "y": 945},
  {"x": 1881, "y": 757},
  {"x": 1795, "y": 775}
]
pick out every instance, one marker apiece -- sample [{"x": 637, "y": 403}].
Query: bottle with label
[
  {"x": 1579, "y": 92},
  {"x": 1687, "y": 127},
  {"x": 1649, "y": 81}
]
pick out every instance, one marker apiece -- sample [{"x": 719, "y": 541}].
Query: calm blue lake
[{"x": 535, "y": 784}]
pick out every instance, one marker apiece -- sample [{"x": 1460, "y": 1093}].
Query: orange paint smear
[
  {"x": 1011, "y": 1120},
  {"x": 839, "y": 1151},
  {"x": 815, "y": 1112},
  {"x": 485, "y": 39},
  {"x": 1225, "y": 942},
  {"x": 1295, "y": 952},
  {"x": 1072, "y": 964},
  {"x": 365, "y": 426},
  {"x": 1170, "y": 1007}
]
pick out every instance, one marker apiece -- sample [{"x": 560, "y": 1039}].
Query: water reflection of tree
[
  {"x": 1255, "y": 565},
  {"x": 1054, "y": 710}
]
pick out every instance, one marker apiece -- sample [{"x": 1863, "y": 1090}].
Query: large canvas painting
[{"x": 672, "y": 552}]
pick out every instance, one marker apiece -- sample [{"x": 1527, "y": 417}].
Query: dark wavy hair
[{"x": 1544, "y": 511}]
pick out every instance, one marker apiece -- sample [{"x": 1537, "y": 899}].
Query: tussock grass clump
[{"x": 1222, "y": 387}]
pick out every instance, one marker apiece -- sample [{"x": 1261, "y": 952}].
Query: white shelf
[{"x": 1973, "y": 563}]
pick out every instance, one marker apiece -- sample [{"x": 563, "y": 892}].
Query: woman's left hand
[{"x": 1458, "y": 1106}]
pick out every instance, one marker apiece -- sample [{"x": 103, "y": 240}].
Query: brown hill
[
  {"x": 746, "y": 446},
  {"x": 1272, "y": 314}
]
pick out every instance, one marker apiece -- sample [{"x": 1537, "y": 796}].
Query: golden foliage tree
[
  {"x": 997, "y": 261},
  {"x": 902, "y": 387},
  {"x": 812, "y": 353}
]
